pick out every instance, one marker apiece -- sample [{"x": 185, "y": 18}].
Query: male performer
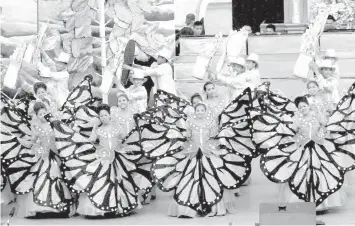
[{"x": 161, "y": 72}]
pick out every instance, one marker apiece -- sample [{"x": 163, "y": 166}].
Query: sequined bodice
[
  {"x": 109, "y": 140},
  {"x": 201, "y": 131},
  {"x": 45, "y": 141},
  {"x": 319, "y": 104},
  {"x": 126, "y": 123},
  {"x": 217, "y": 105},
  {"x": 308, "y": 128}
]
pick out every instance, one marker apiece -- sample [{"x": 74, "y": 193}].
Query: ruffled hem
[
  {"x": 86, "y": 208},
  {"x": 27, "y": 208},
  {"x": 228, "y": 204},
  {"x": 176, "y": 210},
  {"x": 6, "y": 195}
]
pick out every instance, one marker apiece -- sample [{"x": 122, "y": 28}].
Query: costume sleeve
[
  {"x": 35, "y": 135},
  {"x": 329, "y": 85},
  {"x": 214, "y": 129},
  {"x": 93, "y": 137},
  {"x": 188, "y": 129},
  {"x": 295, "y": 124},
  {"x": 30, "y": 108}
]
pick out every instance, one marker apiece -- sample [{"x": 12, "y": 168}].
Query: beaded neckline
[
  {"x": 207, "y": 124},
  {"x": 304, "y": 121},
  {"x": 43, "y": 130},
  {"x": 104, "y": 134}
]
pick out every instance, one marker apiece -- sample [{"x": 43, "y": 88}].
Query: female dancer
[
  {"x": 195, "y": 98},
  {"x": 42, "y": 192},
  {"x": 316, "y": 100},
  {"x": 107, "y": 175},
  {"x": 197, "y": 170},
  {"x": 136, "y": 93},
  {"x": 215, "y": 102},
  {"x": 122, "y": 115},
  {"x": 304, "y": 152},
  {"x": 41, "y": 94}
]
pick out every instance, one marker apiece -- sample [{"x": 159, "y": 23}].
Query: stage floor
[{"x": 260, "y": 190}]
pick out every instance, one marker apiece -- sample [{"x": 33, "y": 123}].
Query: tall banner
[
  {"x": 310, "y": 46},
  {"x": 235, "y": 43},
  {"x": 204, "y": 59}
]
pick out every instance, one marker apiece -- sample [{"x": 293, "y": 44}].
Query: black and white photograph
[{"x": 177, "y": 112}]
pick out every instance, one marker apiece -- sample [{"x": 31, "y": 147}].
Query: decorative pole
[
  {"x": 296, "y": 17},
  {"x": 37, "y": 16},
  {"x": 103, "y": 43}
]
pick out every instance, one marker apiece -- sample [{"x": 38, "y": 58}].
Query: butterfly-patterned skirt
[
  {"x": 38, "y": 182},
  {"x": 111, "y": 179}
]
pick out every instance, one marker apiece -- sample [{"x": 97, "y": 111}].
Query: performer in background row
[
  {"x": 41, "y": 94},
  {"x": 330, "y": 54},
  {"x": 136, "y": 93},
  {"x": 316, "y": 99},
  {"x": 253, "y": 74},
  {"x": 214, "y": 100},
  {"x": 236, "y": 81},
  {"x": 328, "y": 82},
  {"x": 161, "y": 72}
]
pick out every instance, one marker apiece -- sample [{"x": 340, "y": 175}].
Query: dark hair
[
  {"x": 177, "y": 34},
  {"x": 198, "y": 23},
  {"x": 271, "y": 26},
  {"x": 200, "y": 104},
  {"x": 312, "y": 82},
  {"x": 330, "y": 17},
  {"x": 206, "y": 84},
  {"x": 104, "y": 107},
  {"x": 39, "y": 85},
  {"x": 38, "y": 106},
  {"x": 194, "y": 96},
  {"x": 301, "y": 99},
  {"x": 186, "y": 31}
]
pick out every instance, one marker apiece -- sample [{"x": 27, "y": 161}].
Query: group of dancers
[{"x": 96, "y": 160}]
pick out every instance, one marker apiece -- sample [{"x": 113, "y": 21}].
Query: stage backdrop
[{"x": 254, "y": 12}]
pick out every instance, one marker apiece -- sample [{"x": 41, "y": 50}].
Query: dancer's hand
[{"x": 313, "y": 65}]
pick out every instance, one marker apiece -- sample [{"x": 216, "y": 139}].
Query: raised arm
[
  {"x": 329, "y": 85},
  {"x": 235, "y": 81}
]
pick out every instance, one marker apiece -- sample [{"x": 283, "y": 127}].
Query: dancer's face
[
  {"x": 327, "y": 72},
  {"x": 251, "y": 64},
  {"x": 303, "y": 108},
  {"x": 104, "y": 117},
  {"x": 41, "y": 113},
  {"x": 122, "y": 102},
  {"x": 200, "y": 111},
  {"x": 41, "y": 93},
  {"x": 196, "y": 100},
  {"x": 313, "y": 89},
  {"x": 211, "y": 90},
  {"x": 237, "y": 68}
]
